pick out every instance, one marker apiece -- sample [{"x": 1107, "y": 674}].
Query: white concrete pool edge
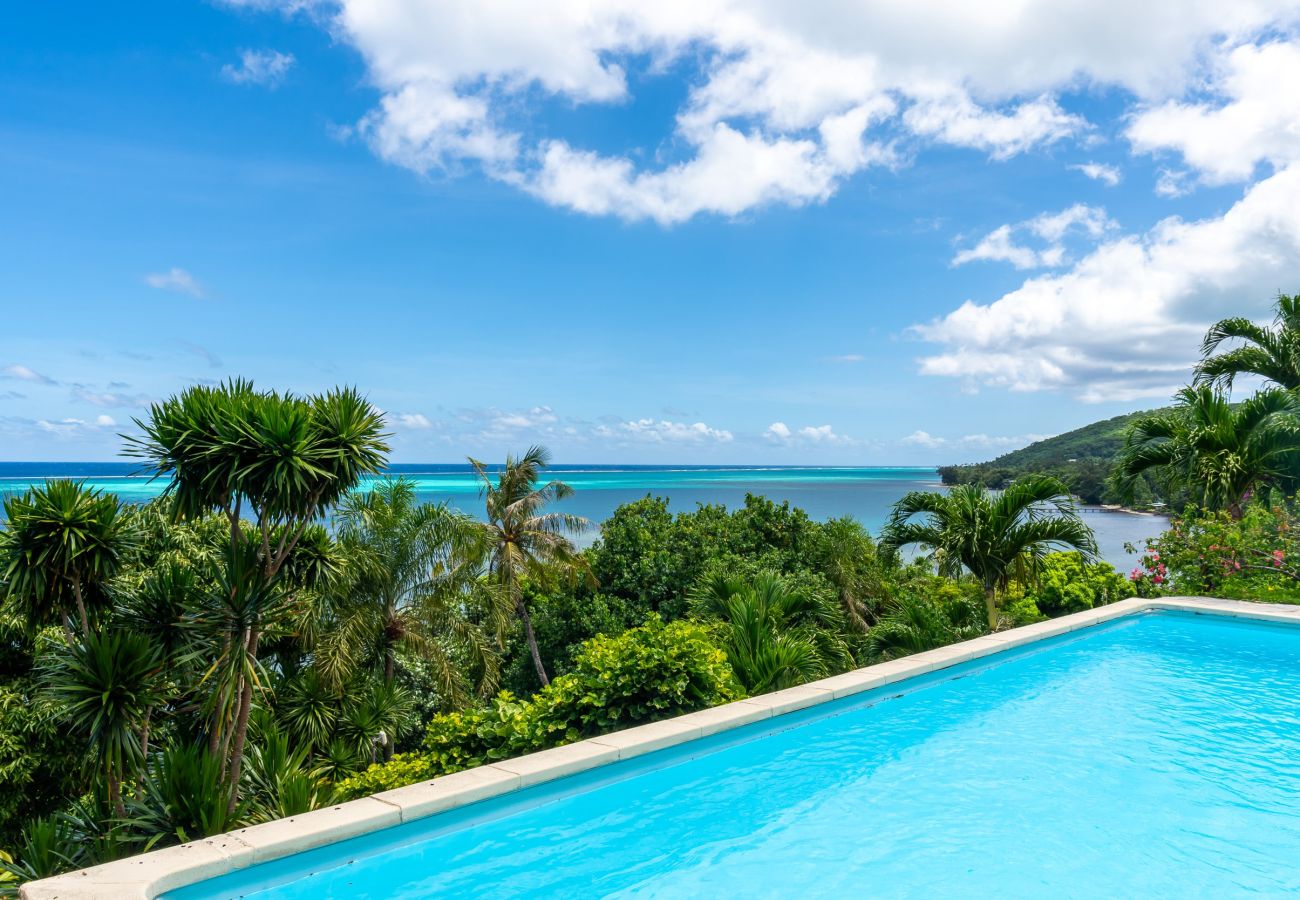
[{"x": 146, "y": 876}]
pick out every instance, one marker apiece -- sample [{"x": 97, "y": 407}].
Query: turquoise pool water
[{"x": 1156, "y": 755}]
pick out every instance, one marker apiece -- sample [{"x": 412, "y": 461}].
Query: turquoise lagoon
[
  {"x": 1151, "y": 756},
  {"x": 864, "y": 493}
]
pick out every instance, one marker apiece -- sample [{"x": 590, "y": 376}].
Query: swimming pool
[{"x": 1155, "y": 754}]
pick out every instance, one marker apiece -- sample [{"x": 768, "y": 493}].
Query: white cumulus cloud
[
  {"x": 1125, "y": 321},
  {"x": 23, "y": 373},
  {"x": 417, "y": 421},
  {"x": 1000, "y": 245},
  {"x": 265, "y": 67},
  {"x": 175, "y": 279},
  {"x": 1106, "y": 174},
  {"x": 787, "y": 101},
  {"x": 1253, "y": 116},
  {"x": 662, "y": 431}
]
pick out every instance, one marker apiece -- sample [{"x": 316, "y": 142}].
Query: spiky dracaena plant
[
  {"x": 62, "y": 544},
  {"x": 104, "y": 685}
]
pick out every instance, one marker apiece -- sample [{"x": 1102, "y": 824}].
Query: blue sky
[{"x": 706, "y": 232}]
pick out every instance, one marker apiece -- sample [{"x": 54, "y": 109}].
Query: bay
[{"x": 865, "y": 493}]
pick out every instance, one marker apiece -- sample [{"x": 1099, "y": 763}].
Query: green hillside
[{"x": 1081, "y": 458}]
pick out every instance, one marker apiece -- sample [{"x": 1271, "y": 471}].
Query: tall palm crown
[
  {"x": 63, "y": 543},
  {"x": 1271, "y": 352},
  {"x": 1219, "y": 451},
  {"x": 414, "y": 575},
  {"x": 997, "y": 536},
  {"x": 524, "y": 539}
]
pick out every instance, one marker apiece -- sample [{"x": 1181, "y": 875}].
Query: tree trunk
[
  {"x": 81, "y": 607},
  {"x": 115, "y": 794},
  {"x": 532, "y": 641},
  {"x": 241, "y": 727},
  {"x": 991, "y": 606},
  {"x": 144, "y": 734},
  {"x": 217, "y": 727}
]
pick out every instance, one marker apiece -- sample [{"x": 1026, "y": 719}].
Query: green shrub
[
  {"x": 1211, "y": 553},
  {"x": 647, "y": 673},
  {"x": 1066, "y": 584},
  {"x": 563, "y": 618},
  {"x": 1022, "y": 610},
  {"x": 39, "y": 765}
]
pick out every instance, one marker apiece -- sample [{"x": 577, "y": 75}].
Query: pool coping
[{"x": 147, "y": 875}]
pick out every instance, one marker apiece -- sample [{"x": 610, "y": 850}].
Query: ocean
[{"x": 863, "y": 493}]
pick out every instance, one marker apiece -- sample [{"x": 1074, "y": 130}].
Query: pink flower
[
  {"x": 1155, "y": 557},
  {"x": 1135, "y": 575},
  {"x": 1158, "y": 579}
]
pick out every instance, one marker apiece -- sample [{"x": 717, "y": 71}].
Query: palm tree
[
  {"x": 1273, "y": 353},
  {"x": 1219, "y": 451},
  {"x": 914, "y": 624},
  {"x": 774, "y": 635},
  {"x": 997, "y": 536},
  {"x": 523, "y": 540},
  {"x": 105, "y": 685},
  {"x": 414, "y": 576},
  {"x": 63, "y": 544}
]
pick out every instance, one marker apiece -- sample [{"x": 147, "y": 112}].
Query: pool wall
[{"x": 146, "y": 876}]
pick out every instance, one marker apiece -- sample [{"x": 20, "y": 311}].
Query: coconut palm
[
  {"x": 775, "y": 636},
  {"x": 63, "y": 544},
  {"x": 524, "y": 540},
  {"x": 996, "y": 536},
  {"x": 414, "y": 575},
  {"x": 105, "y": 684},
  {"x": 1218, "y": 451},
  {"x": 1271, "y": 352}
]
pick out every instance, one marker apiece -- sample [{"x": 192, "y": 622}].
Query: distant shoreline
[{"x": 1116, "y": 507}]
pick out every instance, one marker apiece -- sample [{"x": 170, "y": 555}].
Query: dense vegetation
[
  {"x": 221, "y": 657},
  {"x": 266, "y": 639},
  {"x": 1083, "y": 459}
]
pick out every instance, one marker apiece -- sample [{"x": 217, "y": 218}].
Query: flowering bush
[{"x": 1254, "y": 557}]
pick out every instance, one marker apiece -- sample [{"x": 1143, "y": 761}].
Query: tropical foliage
[
  {"x": 998, "y": 537},
  {"x": 1217, "y": 451},
  {"x": 284, "y": 629},
  {"x": 774, "y": 634},
  {"x": 1269, "y": 352},
  {"x": 651, "y": 672},
  {"x": 525, "y": 541}
]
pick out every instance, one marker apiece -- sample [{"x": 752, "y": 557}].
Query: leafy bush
[
  {"x": 39, "y": 766},
  {"x": 563, "y": 618},
  {"x": 1066, "y": 584},
  {"x": 931, "y": 612},
  {"x": 647, "y": 673},
  {"x": 1210, "y": 553}
]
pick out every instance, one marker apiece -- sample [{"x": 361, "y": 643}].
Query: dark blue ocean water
[{"x": 864, "y": 493}]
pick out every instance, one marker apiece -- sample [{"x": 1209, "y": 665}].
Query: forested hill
[{"x": 1081, "y": 458}]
